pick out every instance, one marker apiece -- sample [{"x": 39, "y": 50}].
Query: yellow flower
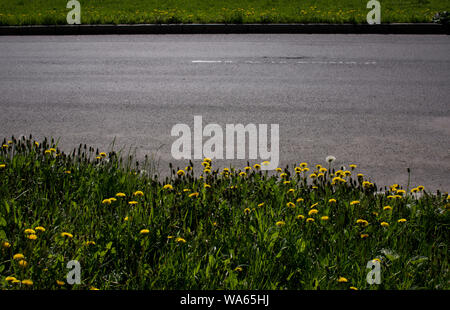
[
  {"x": 324, "y": 218},
  {"x": 126, "y": 218},
  {"x": 248, "y": 168},
  {"x": 207, "y": 159},
  {"x": 193, "y": 195},
  {"x": 188, "y": 168},
  {"x": 32, "y": 237},
  {"x": 257, "y": 166},
  {"x": 238, "y": 269},
  {"x": 265, "y": 163},
  {"x": 360, "y": 175},
  {"x": 66, "y": 234},
  {"x": 6, "y": 245},
  {"x": 312, "y": 211},
  {"x": 132, "y": 202},
  {"x": 305, "y": 169},
  {"x": 376, "y": 260},
  {"x": 420, "y": 188},
  {"x": 144, "y": 231},
  {"x": 40, "y": 228},
  {"x": 29, "y": 231},
  {"x": 93, "y": 288},
  {"x": 23, "y": 263},
  {"x": 247, "y": 210},
  {"x": 352, "y": 166},
  {"x": 384, "y": 224},
  {"x": 2, "y": 166},
  {"x": 138, "y": 193},
  {"x": 280, "y": 223},
  {"x": 400, "y": 192},
  {"x": 300, "y": 200},
  {"x": 353, "y": 288},
  {"x": 401, "y": 220},
  {"x": 106, "y": 201},
  {"x": 27, "y": 282},
  {"x": 180, "y": 172},
  {"x": 283, "y": 175},
  {"x": 261, "y": 204},
  {"x": 102, "y": 154},
  {"x": 300, "y": 217},
  {"x": 180, "y": 240},
  {"x": 314, "y": 205},
  {"x": 287, "y": 182},
  {"x": 313, "y": 175},
  {"x": 120, "y": 195},
  {"x": 323, "y": 170},
  {"x": 168, "y": 186},
  {"x": 290, "y": 204},
  {"x": 10, "y": 279},
  {"x": 342, "y": 280},
  {"x": 387, "y": 208},
  {"x": 89, "y": 243},
  {"x": 355, "y": 202},
  {"x": 303, "y": 165},
  {"x": 18, "y": 256},
  {"x": 279, "y": 169},
  {"x": 67, "y": 172},
  {"x": 361, "y": 221},
  {"x": 309, "y": 219},
  {"x": 363, "y": 236},
  {"x": 332, "y": 200},
  {"x": 60, "y": 283},
  {"x": 414, "y": 190}
]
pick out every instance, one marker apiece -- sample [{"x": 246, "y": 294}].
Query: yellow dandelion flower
[
  {"x": 106, "y": 201},
  {"x": 248, "y": 168},
  {"x": 300, "y": 217},
  {"x": 309, "y": 220},
  {"x": 353, "y": 288},
  {"x": 342, "y": 280},
  {"x": 314, "y": 205},
  {"x": 2, "y": 166},
  {"x": 387, "y": 208},
  {"x": 247, "y": 210},
  {"x": 332, "y": 200},
  {"x": 193, "y": 195},
  {"x": 102, "y": 154},
  {"x": 414, "y": 190},
  {"x": 324, "y": 218},
  {"x": 384, "y": 224},
  {"x": 27, "y": 282},
  {"x": 261, "y": 204},
  {"x": 120, "y": 195},
  {"x": 400, "y": 192},
  {"x": 39, "y": 228},
  {"x": 300, "y": 200},
  {"x": 303, "y": 165},
  {"x": 352, "y": 166},
  {"x": 355, "y": 202},
  {"x": 139, "y": 193},
  {"x": 168, "y": 186},
  {"x": 144, "y": 231},
  {"x": 312, "y": 211},
  {"x": 60, "y": 283},
  {"x": 242, "y": 174},
  {"x": 364, "y": 236},
  {"x": 238, "y": 269},
  {"x": 180, "y": 172},
  {"x": 290, "y": 204},
  {"x": 10, "y": 278},
  {"x": 18, "y": 256},
  {"x": 280, "y": 223},
  {"x": 133, "y": 202},
  {"x": 401, "y": 220},
  {"x": 257, "y": 166},
  {"x": 420, "y": 188},
  {"x": 360, "y": 175},
  {"x": 32, "y": 237},
  {"x": 6, "y": 245},
  {"x": 23, "y": 263},
  {"x": 92, "y": 288},
  {"x": 265, "y": 163},
  {"x": 29, "y": 231},
  {"x": 66, "y": 234},
  {"x": 180, "y": 240}
]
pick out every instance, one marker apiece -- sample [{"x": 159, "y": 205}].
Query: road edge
[{"x": 400, "y": 28}]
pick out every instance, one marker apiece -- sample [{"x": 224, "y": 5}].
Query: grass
[
  {"x": 51, "y": 12},
  {"x": 236, "y": 229}
]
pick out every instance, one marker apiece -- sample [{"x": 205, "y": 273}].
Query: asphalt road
[{"x": 379, "y": 101}]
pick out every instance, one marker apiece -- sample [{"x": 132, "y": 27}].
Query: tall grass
[{"x": 228, "y": 229}]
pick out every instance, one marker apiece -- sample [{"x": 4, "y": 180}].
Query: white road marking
[
  {"x": 285, "y": 62},
  {"x": 207, "y": 61}
]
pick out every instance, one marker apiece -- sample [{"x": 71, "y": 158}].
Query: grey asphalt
[{"x": 379, "y": 101}]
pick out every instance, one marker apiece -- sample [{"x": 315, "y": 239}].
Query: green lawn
[
  {"x": 308, "y": 227},
  {"x": 30, "y": 12}
]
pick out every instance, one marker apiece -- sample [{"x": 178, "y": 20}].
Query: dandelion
[
  {"x": 384, "y": 224},
  {"x": 278, "y": 170},
  {"x": 312, "y": 211},
  {"x": 144, "y": 231},
  {"x": 387, "y": 208},
  {"x": 401, "y": 221},
  {"x": 309, "y": 220},
  {"x": 29, "y": 231},
  {"x": 138, "y": 193},
  {"x": 324, "y": 218},
  {"x": 376, "y": 260},
  {"x": 290, "y": 205},
  {"x": 303, "y": 165},
  {"x": 400, "y": 192},
  {"x": 193, "y": 195},
  {"x": 168, "y": 186},
  {"x": 10, "y": 278},
  {"x": 242, "y": 174},
  {"x": 32, "y": 237},
  {"x": 300, "y": 217},
  {"x": 364, "y": 236},
  {"x": 362, "y": 221},
  {"x": 280, "y": 223},
  {"x": 207, "y": 159},
  {"x": 332, "y": 200},
  {"x": 261, "y": 204},
  {"x": 353, "y": 288},
  {"x": 2, "y": 166},
  {"x": 355, "y": 202},
  {"x": 257, "y": 166},
  {"x": 414, "y": 190},
  {"x": 238, "y": 269},
  {"x": 39, "y": 228},
  {"x": 353, "y": 166},
  {"x": 248, "y": 168},
  {"x": 120, "y": 195},
  {"x": 23, "y": 263},
  {"x": 305, "y": 169},
  {"x": 60, "y": 283},
  {"x": 102, "y": 154},
  {"x": 106, "y": 201},
  {"x": 126, "y": 219},
  {"x": 265, "y": 163},
  {"x": 283, "y": 175},
  {"x": 27, "y": 282},
  {"x": 133, "y": 202},
  {"x": 180, "y": 172},
  {"x": 330, "y": 159},
  {"x": 247, "y": 210},
  {"x": 314, "y": 205},
  {"x": 67, "y": 172},
  {"x": 18, "y": 256},
  {"x": 342, "y": 280},
  {"x": 420, "y": 188},
  {"x": 92, "y": 288},
  {"x": 300, "y": 200},
  {"x": 6, "y": 245},
  {"x": 180, "y": 240}
]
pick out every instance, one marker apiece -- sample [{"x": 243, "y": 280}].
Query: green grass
[
  {"x": 242, "y": 232},
  {"x": 48, "y": 12}
]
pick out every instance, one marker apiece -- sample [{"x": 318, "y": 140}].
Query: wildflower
[
  {"x": 27, "y": 282},
  {"x": 40, "y": 228},
  {"x": 363, "y": 236},
  {"x": 248, "y": 168},
  {"x": 66, "y": 234},
  {"x": 102, "y": 154},
  {"x": 23, "y": 263},
  {"x": 414, "y": 190},
  {"x": 298, "y": 170},
  {"x": 400, "y": 192},
  {"x": 238, "y": 269},
  {"x": 10, "y": 278},
  {"x": 138, "y": 193},
  {"x": 18, "y": 256},
  {"x": 283, "y": 175},
  {"x": 300, "y": 217},
  {"x": 242, "y": 174},
  {"x": 312, "y": 211},
  {"x": 180, "y": 240},
  {"x": 313, "y": 175},
  {"x": 193, "y": 195},
  {"x": 300, "y": 200},
  {"x": 361, "y": 221},
  {"x": 355, "y": 202},
  {"x": 314, "y": 205},
  {"x": 60, "y": 283},
  {"x": 290, "y": 205},
  {"x": 265, "y": 163},
  {"x": 323, "y": 170},
  {"x": 303, "y": 165},
  {"x": 247, "y": 210},
  {"x": 306, "y": 169},
  {"x": 106, "y": 201},
  {"x": 420, "y": 188},
  {"x": 387, "y": 208},
  {"x": 6, "y": 245},
  {"x": 352, "y": 166},
  {"x": 280, "y": 223},
  {"x": 67, "y": 172},
  {"x": 92, "y": 288},
  {"x": 309, "y": 219},
  {"x": 207, "y": 160},
  {"x": 384, "y": 224},
  {"x": 89, "y": 243},
  {"x": 360, "y": 175},
  {"x": 332, "y": 200},
  {"x": 206, "y": 185},
  {"x": 32, "y": 237},
  {"x": 324, "y": 218},
  {"x": 226, "y": 170},
  {"x": 330, "y": 158},
  {"x": 144, "y": 231},
  {"x": 376, "y": 260},
  {"x": 2, "y": 166},
  {"x": 168, "y": 186},
  {"x": 257, "y": 166},
  {"x": 132, "y": 202},
  {"x": 180, "y": 172},
  {"x": 342, "y": 280},
  {"x": 401, "y": 220},
  {"x": 207, "y": 171},
  {"x": 188, "y": 168},
  {"x": 291, "y": 190},
  {"x": 126, "y": 218},
  {"x": 261, "y": 204},
  {"x": 120, "y": 195},
  {"x": 353, "y": 288},
  {"x": 29, "y": 231},
  {"x": 287, "y": 182}
]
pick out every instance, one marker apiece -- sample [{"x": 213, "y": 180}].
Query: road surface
[{"x": 379, "y": 101}]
